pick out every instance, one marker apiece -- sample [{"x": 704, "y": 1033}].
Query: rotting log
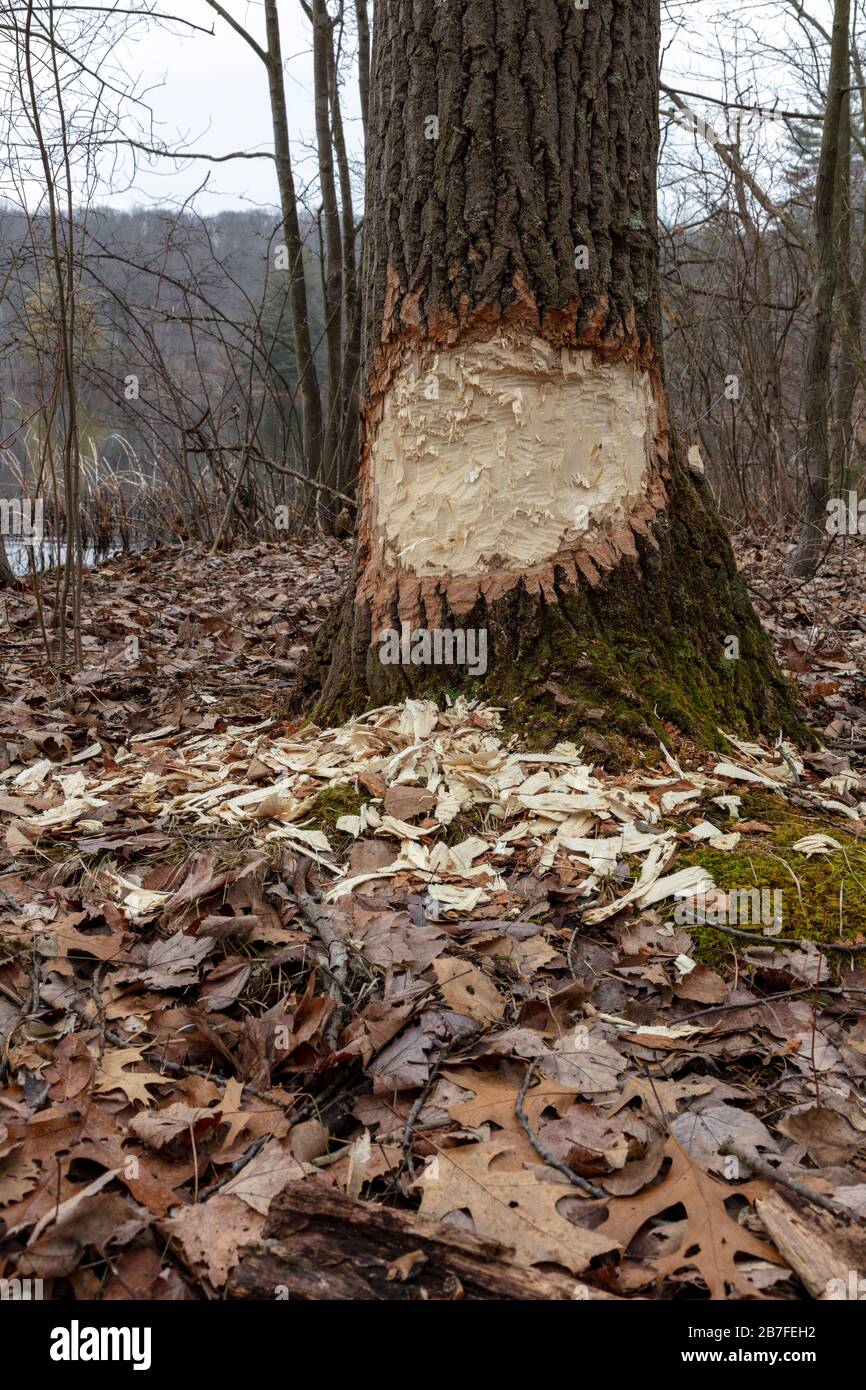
[{"x": 319, "y": 1244}]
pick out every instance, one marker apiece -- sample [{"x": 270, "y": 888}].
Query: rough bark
[
  {"x": 320, "y": 1244},
  {"x": 547, "y": 144}
]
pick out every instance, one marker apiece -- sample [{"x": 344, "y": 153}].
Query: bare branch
[{"x": 239, "y": 29}]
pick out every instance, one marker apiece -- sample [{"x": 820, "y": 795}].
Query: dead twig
[
  {"x": 833, "y": 990},
  {"x": 574, "y": 1178},
  {"x": 846, "y": 947},
  {"x": 770, "y": 1174},
  {"x": 417, "y": 1107},
  {"x": 318, "y": 1105},
  {"x": 152, "y": 1054},
  {"x": 34, "y": 982},
  {"x": 239, "y": 1164},
  {"x": 319, "y": 918}
]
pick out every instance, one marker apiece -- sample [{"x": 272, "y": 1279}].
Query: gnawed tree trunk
[{"x": 520, "y": 478}]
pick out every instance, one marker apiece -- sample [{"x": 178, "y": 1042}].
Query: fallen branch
[
  {"x": 322, "y": 1245},
  {"x": 770, "y": 1174},
  {"x": 829, "y": 1262}
]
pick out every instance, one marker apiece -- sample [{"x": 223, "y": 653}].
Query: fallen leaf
[{"x": 514, "y": 1208}]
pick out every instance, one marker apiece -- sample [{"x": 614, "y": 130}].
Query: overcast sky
[
  {"x": 209, "y": 90},
  {"x": 212, "y": 91}
]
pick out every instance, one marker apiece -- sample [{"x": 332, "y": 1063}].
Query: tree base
[{"x": 667, "y": 642}]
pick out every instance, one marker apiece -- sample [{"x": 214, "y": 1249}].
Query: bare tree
[
  {"x": 817, "y": 384},
  {"x": 272, "y": 58}
]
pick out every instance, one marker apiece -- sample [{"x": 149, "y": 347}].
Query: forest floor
[{"x": 276, "y": 1000}]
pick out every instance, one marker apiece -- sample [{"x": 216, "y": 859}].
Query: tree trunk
[
  {"x": 759, "y": 354},
  {"x": 817, "y": 389},
  {"x": 849, "y": 300},
  {"x": 522, "y": 490},
  {"x": 308, "y": 382},
  {"x": 363, "y": 61},
  {"x": 333, "y": 278},
  {"x": 7, "y": 578},
  {"x": 348, "y": 444}
]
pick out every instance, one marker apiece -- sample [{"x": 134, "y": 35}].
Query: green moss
[
  {"x": 339, "y": 799},
  {"x": 823, "y": 897},
  {"x": 583, "y": 659}
]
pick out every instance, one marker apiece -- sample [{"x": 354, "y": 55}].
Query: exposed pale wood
[{"x": 816, "y": 1246}]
